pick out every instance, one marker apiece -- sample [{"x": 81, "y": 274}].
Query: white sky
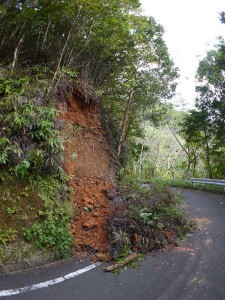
[{"x": 191, "y": 28}]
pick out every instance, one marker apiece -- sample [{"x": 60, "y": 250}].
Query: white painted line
[{"x": 5, "y": 293}]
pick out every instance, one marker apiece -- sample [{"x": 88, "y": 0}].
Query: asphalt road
[{"x": 195, "y": 270}]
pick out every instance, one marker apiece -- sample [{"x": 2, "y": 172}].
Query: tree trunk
[
  {"x": 142, "y": 151},
  {"x": 194, "y": 164},
  {"x": 208, "y": 155},
  {"x": 2, "y": 42},
  {"x": 46, "y": 33},
  {"x": 208, "y": 162},
  {"x": 13, "y": 33},
  {"x": 62, "y": 55},
  {"x": 187, "y": 152},
  {"x": 188, "y": 167},
  {"x": 16, "y": 53},
  {"x": 59, "y": 62},
  {"x": 125, "y": 123},
  {"x": 154, "y": 171}
]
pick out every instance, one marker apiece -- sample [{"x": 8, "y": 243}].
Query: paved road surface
[{"x": 195, "y": 270}]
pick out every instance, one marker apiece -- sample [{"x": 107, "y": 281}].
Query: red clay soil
[{"x": 87, "y": 160}]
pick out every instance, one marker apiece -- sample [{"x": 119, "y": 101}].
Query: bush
[
  {"x": 31, "y": 157},
  {"x": 29, "y": 138},
  {"x": 52, "y": 229},
  {"x": 53, "y": 233}
]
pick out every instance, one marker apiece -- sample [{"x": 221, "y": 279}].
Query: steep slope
[{"x": 87, "y": 160}]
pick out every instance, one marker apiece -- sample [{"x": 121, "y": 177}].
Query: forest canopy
[
  {"x": 109, "y": 50},
  {"x": 104, "y": 49}
]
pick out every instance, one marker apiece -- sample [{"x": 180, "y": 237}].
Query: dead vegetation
[
  {"x": 144, "y": 221},
  {"x": 131, "y": 258},
  {"x": 82, "y": 89}
]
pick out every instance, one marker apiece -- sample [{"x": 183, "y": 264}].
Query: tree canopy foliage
[
  {"x": 107, "y": 47},
  {"x": 205, "y": 127},
  {"x": 100, "y": 39}
]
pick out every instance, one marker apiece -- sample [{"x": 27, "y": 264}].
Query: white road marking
[{"x": 5, "y": 293}]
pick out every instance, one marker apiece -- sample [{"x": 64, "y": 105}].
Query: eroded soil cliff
[{"x": 87, "y": 160}]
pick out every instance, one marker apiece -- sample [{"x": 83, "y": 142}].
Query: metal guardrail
[{"x": 208, "y": 181}]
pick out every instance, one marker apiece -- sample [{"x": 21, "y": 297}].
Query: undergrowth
[
  {"x": 35, "y": 214},
  {"x": 34, "y": 195},
  {"x": 51, "y": 231},
  {"x": 184, "y": 183},
  {"x": 29, "y": 131}
]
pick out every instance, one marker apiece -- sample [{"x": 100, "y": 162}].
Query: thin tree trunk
[
  {"x": 62, "y": 54},
  {"x": 125, "y": 123},
  {"x": 194, "y": 164},
  {"x": 188, "y": 154},
  {"x": 13, "y": 33},
  {"x": 208, "y": 155},
  {"x": 46, "y": 33},
  {"x": 188, "y": 168},
  {"x": 142, "y": 151},
  {"x": 154, "y": 171},
  {"x": 155, "y": 158},
  {"x": 16, "y": 53},
  {"x": 60, "y": 61},
  {"x": 2, "y": 42}
]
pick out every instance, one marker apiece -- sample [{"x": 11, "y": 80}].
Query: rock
[
  {"x": 96, "y": 214},
  {"x": 88, "y": 200},
  {"x": 102, "y": 257},
  {"x": 90, "y": 224}
]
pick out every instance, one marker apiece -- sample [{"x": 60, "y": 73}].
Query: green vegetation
[
  {"x": 31, "y": 155},
  {"x": 51, "y": 231},
  {"x": 105, "y": 52},
  {"x": 29, "y": 140},
  {"x": 36, "y": 211},
  {"x": 180, "y": 145},
  {"x": 183, "y": 183},
  {"x": 204, "y": 127},
  {"x": 52, "y": 234},
  {"x": 187, "y": 144}
]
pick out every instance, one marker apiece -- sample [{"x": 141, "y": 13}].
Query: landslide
[{"x": 87, "y": 161}]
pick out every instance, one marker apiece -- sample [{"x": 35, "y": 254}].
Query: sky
[{"x": 191, "y": 28}]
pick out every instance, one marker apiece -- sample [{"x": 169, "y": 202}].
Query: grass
[{"x": 183, "y": 183}]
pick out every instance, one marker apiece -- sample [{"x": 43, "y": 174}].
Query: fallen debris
[{"x": 126, "y": 261}]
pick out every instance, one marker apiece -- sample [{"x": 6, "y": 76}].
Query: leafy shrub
[
  {"x": 53, "y": 233},
  {"x": 52, "y": 230},
  {"x": 29, "y": 138},
  {"x": 31, "y": 148},
  {"x": 22, "y": 169}
]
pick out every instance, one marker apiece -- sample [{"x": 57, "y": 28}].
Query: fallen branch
[{"x": 126, "y": 261}]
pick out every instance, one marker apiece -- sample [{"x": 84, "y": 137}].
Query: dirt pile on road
[{"x": 87, "y": 160}]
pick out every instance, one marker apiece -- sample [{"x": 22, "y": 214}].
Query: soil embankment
[{"x": 87, "y": 160}]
